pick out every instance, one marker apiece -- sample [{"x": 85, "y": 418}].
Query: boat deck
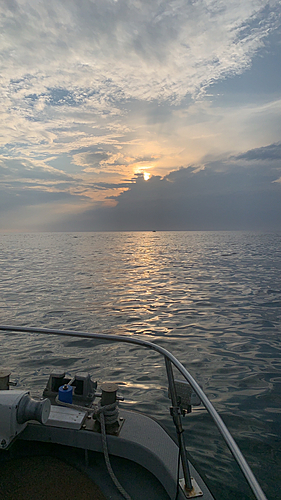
[
  {"x": 143, "y": 456},
  {"x": 45, "y": 477},
  {"x": 49, "y": 471}
]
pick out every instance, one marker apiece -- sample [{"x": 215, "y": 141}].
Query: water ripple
[{"x": 213, "y": 299}]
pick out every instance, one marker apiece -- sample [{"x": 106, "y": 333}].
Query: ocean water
[{"x": 211, "y": 298}]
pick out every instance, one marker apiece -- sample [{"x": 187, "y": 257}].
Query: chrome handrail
[{"x": 233, "y": 447}]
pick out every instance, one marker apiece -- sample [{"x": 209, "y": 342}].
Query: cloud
[
  {"x": 225, "y": 195},
  {"x": 22, "y": 196},
  {"x": 93, "y": 93},
  {"x": 95, "y": 54},
  {"x": 271, "y": 152},
  {"x": 20, "y": 168},
  {"x": 237, "y": 192},
  {"x": 130, "y": 49},
  {"x": 64, "y": 64}
]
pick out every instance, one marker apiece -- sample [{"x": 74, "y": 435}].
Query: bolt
[{"x": 3, "y": 443}]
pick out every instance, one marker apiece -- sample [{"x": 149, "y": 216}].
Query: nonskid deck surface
[
  {"x": 46, "y": 471},
  {"x": 45, "y": 478}
]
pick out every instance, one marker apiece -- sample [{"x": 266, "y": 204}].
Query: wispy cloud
[
  {"x": 94, "y": 92},
  {"x": 128, "y": 49}
]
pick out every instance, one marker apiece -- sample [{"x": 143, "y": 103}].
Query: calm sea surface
[{"x": 212, "y": 298}]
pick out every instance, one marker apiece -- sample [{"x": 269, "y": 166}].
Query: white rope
[
  {"x": 106, "y": 415},
  {"x": 76, "y": 407},
  {"x": 110, "y": 412}
]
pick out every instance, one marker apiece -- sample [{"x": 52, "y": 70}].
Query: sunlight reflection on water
[{"x": 212, "y": 299}]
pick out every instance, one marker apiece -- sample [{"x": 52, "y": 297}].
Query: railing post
[{"x": 177, "y": 421}]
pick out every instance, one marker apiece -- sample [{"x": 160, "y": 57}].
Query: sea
[{"x": 213, "y": 299}]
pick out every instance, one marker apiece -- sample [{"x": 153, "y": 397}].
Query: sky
[{"x": 124, "y": 115}]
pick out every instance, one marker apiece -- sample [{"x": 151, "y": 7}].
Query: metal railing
[{"x": 169, "y": 361}]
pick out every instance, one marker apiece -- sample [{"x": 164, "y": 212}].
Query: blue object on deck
[{"x": 65, "y": 393}]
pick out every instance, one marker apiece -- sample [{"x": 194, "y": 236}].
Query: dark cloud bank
[{"x": 243, "y": 193}]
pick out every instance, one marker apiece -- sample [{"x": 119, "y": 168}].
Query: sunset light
[
  {"x": 97, "y": 128},
  {"x": 140, "y": 201}
]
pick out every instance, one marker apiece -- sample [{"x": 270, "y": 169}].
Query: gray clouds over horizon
[{"x": 239, "y": 193}]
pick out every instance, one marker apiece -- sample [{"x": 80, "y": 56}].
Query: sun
[{"x": 146, "y": 176}]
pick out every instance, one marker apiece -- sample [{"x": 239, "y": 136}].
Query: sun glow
[{"x": 146, "y": 176}]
